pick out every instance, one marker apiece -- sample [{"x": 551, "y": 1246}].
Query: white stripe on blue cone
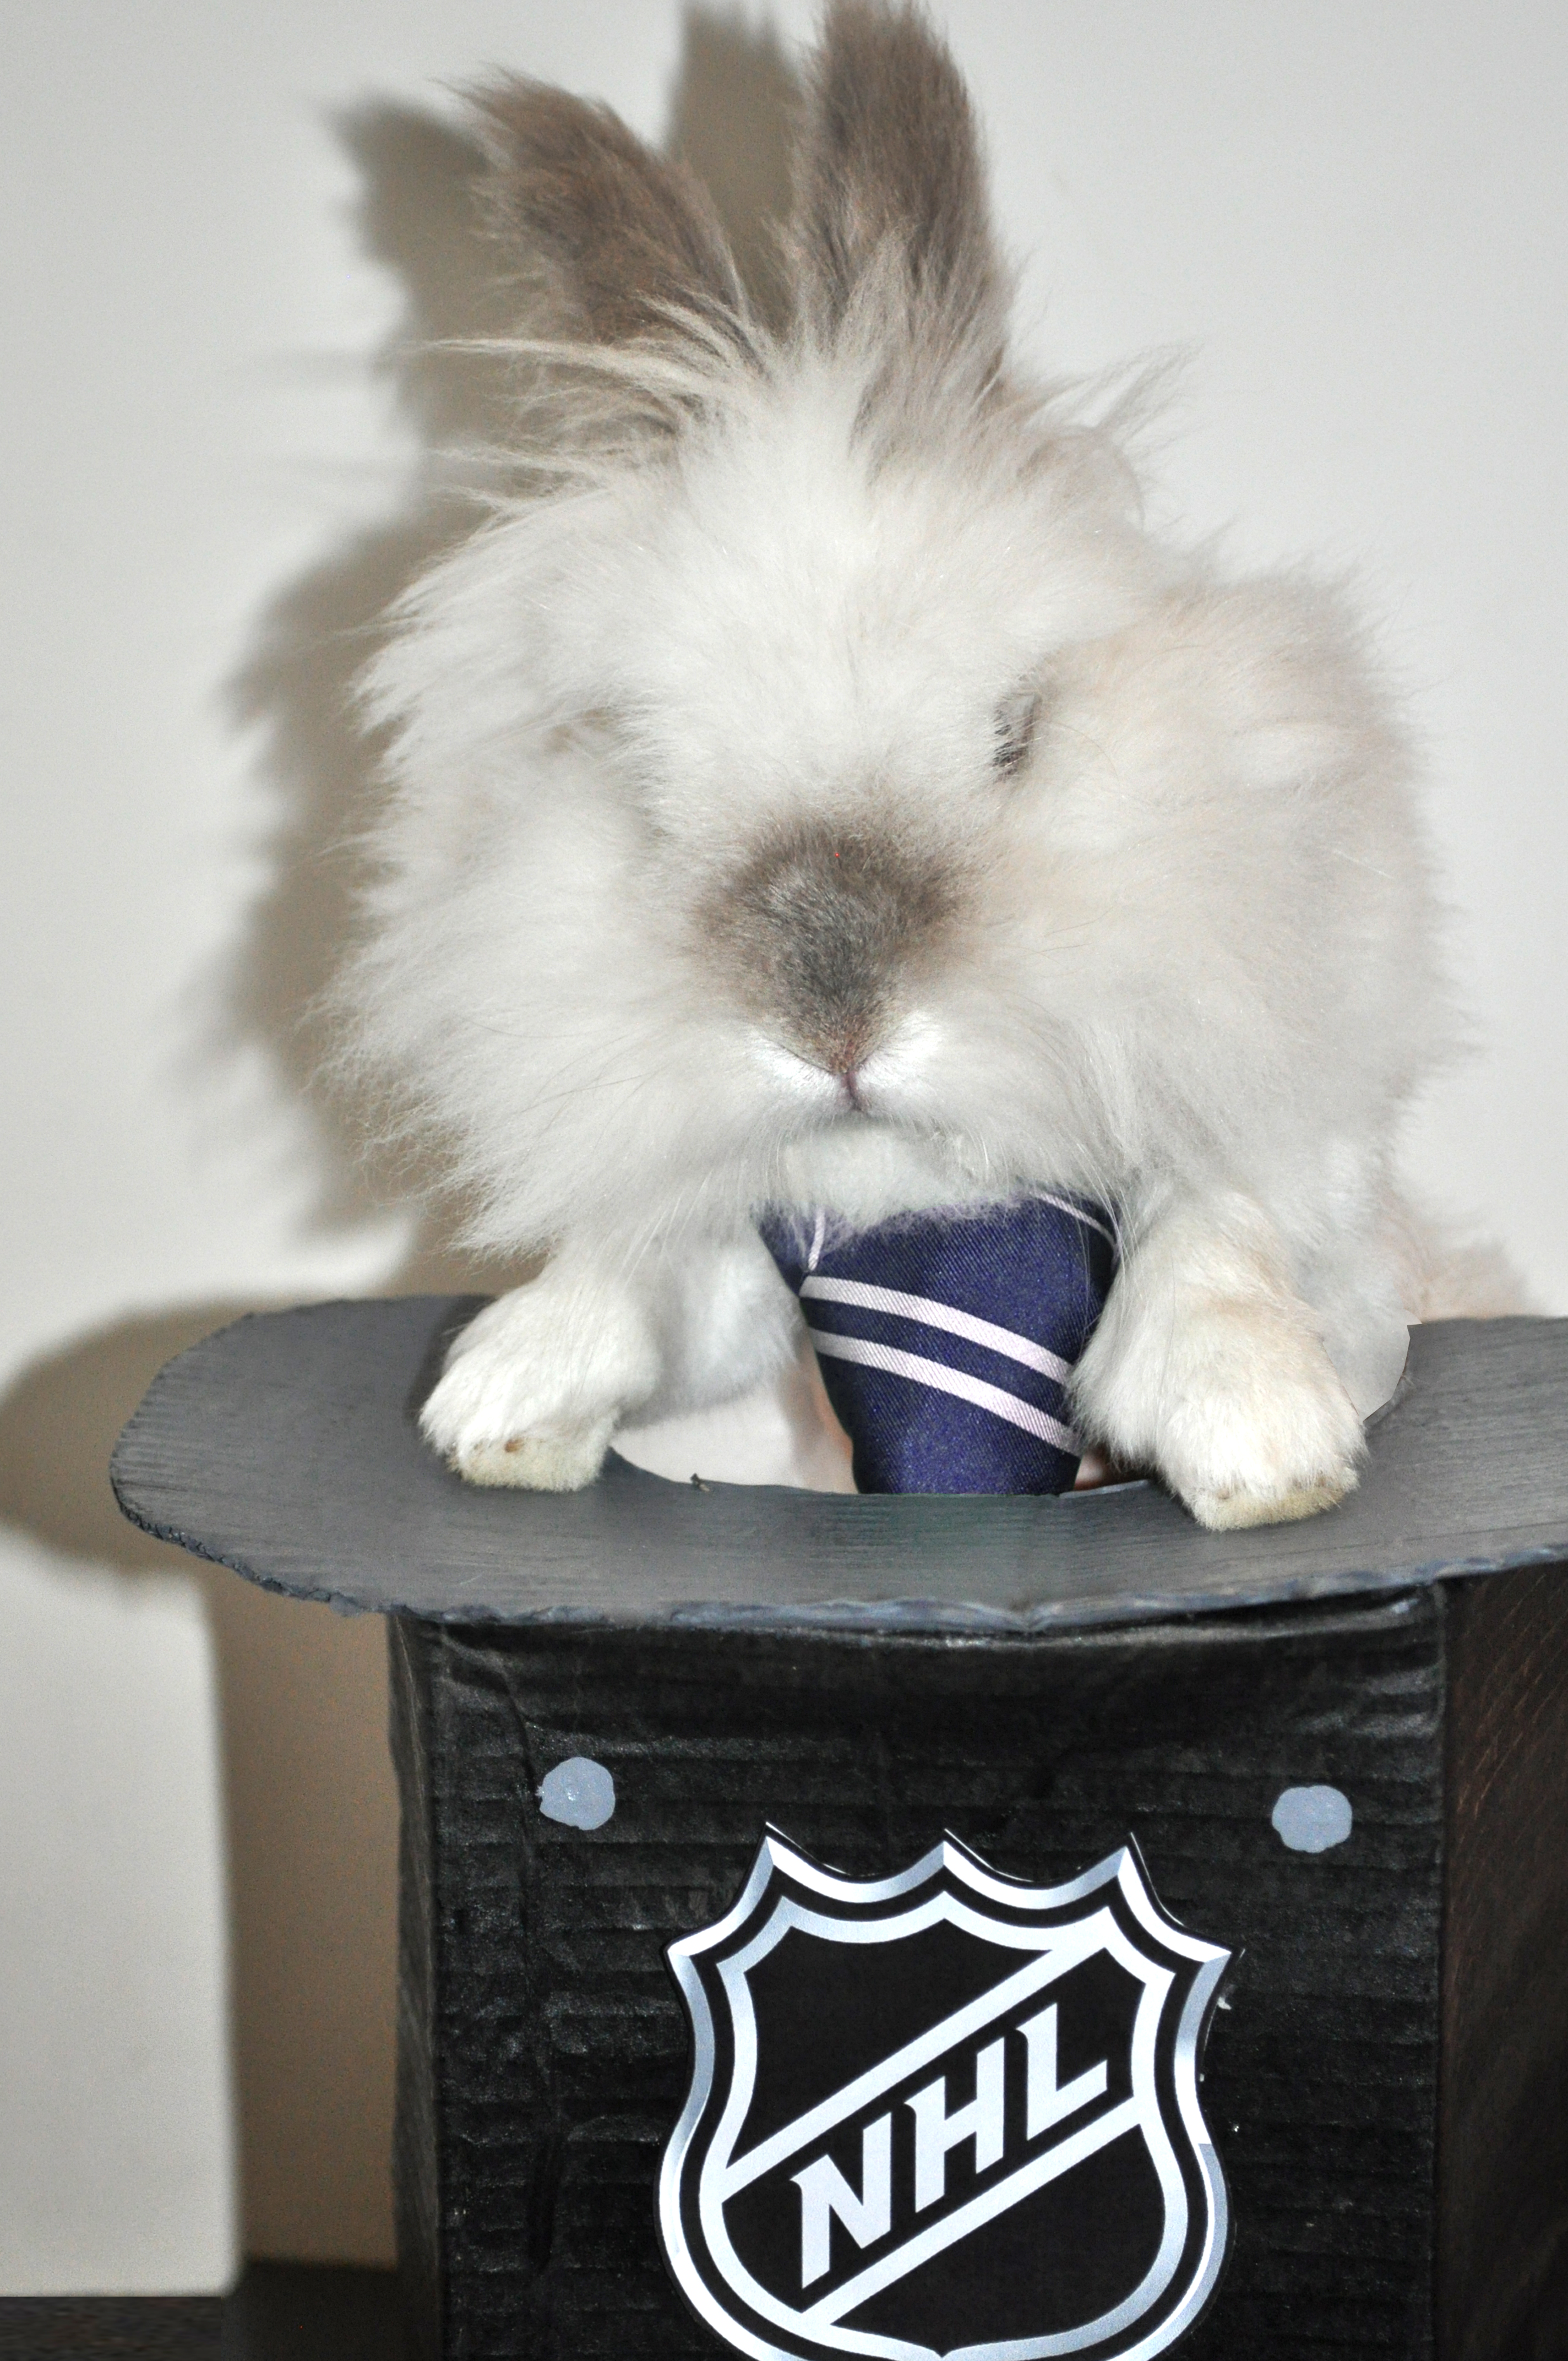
[{"x": 946, "y": 1339}]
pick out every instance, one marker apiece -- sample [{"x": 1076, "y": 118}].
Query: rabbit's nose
[{"x": 821, "y": 931}]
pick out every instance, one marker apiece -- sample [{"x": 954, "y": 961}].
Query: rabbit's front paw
[
  {"x": 534, "y": 1388},
  {"x": 533, "y": 1461},
  {"x": 1240, "y": 1410},
  {"x": 1271, "y": 1447}
]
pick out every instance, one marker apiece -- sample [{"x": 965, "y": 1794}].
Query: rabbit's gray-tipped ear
[
  {"x": 891, "y": 200},
  {"x": 626, "y": 242}
]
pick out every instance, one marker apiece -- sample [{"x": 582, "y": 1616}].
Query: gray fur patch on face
[{"x": 821, "y": 932}]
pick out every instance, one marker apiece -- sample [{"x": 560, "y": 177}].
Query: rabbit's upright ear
[
  {"x": 892, "y": 226},
  {"x": 625, "y": 243}
]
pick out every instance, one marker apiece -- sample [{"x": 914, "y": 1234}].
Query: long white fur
[{"x": 1195, "y": 974}]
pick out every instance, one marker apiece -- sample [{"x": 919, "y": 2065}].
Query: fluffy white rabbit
[{"x": 818, "y": 789}]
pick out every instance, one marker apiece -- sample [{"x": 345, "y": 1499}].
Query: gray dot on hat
[
  {"x": 579, "y": 1792},
  {"x": 1311, "y": 1819}
]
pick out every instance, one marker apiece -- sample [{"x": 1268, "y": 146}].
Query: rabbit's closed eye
[{"x": 1017, "y": 726}]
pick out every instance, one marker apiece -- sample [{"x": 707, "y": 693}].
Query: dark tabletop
[
  {"x": 286, "y": 1447},
  {"x": 279, "y": 2311}
]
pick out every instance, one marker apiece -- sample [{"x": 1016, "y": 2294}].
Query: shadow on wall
[{"x": 312, "y": 1812}]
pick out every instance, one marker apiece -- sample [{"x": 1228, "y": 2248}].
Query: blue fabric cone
[{"x": 946, "y": 1339}]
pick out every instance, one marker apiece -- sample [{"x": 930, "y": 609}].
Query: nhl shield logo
[{"x": 945, "y": 2116}]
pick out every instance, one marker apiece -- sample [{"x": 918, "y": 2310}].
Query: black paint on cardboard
[{"x": 549, "y": 2047}]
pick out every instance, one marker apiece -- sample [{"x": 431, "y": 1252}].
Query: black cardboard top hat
[{"x": 946, "y": 1338}]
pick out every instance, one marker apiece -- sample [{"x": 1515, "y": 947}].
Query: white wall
[{"x": 1356, "y": 217}]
